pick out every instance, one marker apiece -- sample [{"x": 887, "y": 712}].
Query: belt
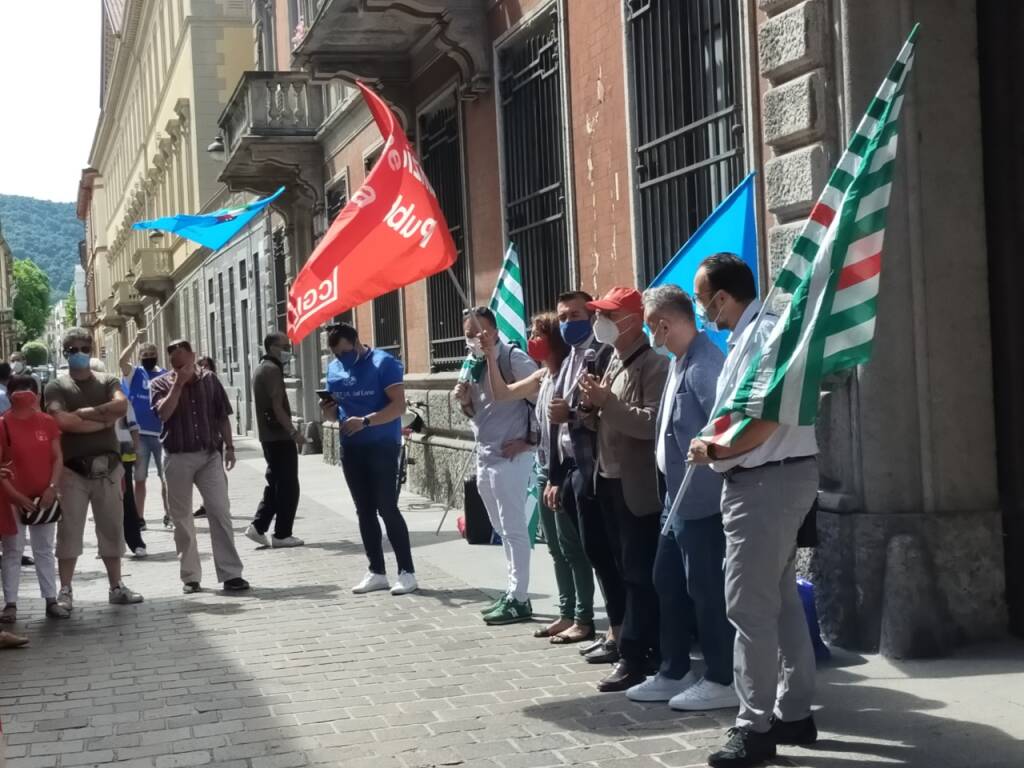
[{"x": 729, "y": 474}]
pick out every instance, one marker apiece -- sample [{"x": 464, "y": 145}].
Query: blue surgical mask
[
  {"x": 575, "y": 331},
  {"x": 347, "y": 359},
  {"x": 661, "y": 349},
  {"x": 705, "y": 321},
  {"x": 79, "y": 361},
  {"x": 285, "y": 357}
]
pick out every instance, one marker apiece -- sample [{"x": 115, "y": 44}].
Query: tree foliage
[
  {"x": 35, "y": 353},
  {"x": 45, "y": 232},
  {"x": 70, "y": 315},
  {"x": 32, "y": 298}
]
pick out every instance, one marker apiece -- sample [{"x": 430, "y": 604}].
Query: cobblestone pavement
[{"x": 301, "y": 672}]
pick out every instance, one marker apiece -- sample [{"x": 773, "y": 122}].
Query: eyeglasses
[{"x": 78, "y": 350}]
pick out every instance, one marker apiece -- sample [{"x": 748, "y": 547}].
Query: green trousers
[{"x": 573, "y": 572}]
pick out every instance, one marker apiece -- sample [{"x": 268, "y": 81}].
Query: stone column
[
  {"x": 907, "y": 440},
  {"x": 300, "y": 245}
]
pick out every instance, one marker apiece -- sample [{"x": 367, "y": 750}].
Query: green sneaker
[
  {"x": 494, "y": 606},
  {"x": 511, "y": 612}
]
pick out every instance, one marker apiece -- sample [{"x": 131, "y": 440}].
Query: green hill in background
[{"x": 45, "y": 232}]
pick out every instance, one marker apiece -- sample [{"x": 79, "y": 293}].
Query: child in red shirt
[{"x": 30, "y": 446}]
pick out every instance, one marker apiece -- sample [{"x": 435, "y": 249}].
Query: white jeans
[
  {"x": 503, "y": 485},
  {"x": 43, "y": 538}
]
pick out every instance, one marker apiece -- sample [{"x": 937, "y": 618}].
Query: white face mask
[
  {"x": 476, "y": 349},
  {"x": 605, "y": 330},
  {"x": 285, "y": 357},
  {"x": 18, "y": 366}
]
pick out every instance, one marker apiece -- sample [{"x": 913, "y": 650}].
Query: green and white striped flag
[
  {"x": 831, "y": 276},
  {"x": 509, "y": 310}
]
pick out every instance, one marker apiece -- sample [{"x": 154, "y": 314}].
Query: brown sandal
[{"x": 569, "y": 636}]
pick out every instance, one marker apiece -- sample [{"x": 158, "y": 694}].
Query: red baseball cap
[{"x": 619, "y": 298}]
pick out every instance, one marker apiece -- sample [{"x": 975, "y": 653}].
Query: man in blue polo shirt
[
  {"x": 368, "y": 400},
  {"x": 136, "y": 385}
]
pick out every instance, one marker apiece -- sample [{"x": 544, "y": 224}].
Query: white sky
[{"x": 50, "y": 65}]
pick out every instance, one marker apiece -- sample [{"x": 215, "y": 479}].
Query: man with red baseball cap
[{"x": 622, "y": 406}]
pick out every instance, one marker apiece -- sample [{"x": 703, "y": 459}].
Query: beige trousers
[{"x": 203, "y": 470}]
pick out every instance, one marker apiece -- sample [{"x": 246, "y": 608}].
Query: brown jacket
[{"x": 627, "y": 425}]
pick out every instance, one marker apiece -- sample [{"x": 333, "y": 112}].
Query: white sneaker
[
  {"x": 287, "y": 541},
  {"x": 406, "y": 584},
  {"x": 372, "y": 582},
  {"x": 65, "y": 599},
  {"x": 141, "y": 553},
  {"x": 253, "y": 535},
  {"x": 660, "y": 688},
  {"x": 705, "y": 695}
]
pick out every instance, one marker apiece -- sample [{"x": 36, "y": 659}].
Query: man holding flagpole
[{"x": 506, "y": 434}]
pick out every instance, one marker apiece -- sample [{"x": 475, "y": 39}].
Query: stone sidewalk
[{"x": 301, "y": 672}]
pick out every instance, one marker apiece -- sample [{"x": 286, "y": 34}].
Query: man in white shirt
[{"x": 771, "y": 482}]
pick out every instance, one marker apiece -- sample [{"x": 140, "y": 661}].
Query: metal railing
[
  {"x": 387, "y": 323},
  {"x": 687, "y": 116},
  {"x": 530, "y": 89},
  {"x": 272, "y": 104}
]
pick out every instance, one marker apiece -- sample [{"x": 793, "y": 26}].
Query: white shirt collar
[{"x": 745, "y": 319}]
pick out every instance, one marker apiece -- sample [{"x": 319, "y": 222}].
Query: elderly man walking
[
  {"x": 86, "y": 405},
  {"x": 198, "y": 444}
]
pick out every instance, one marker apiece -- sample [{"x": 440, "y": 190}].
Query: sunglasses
[
  {"x": 77, "y": 350},
  {"x": 180, "y": 345}
]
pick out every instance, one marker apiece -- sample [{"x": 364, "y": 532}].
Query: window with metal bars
[
  {"x": 387, "y": 309},
  {"x": 687, "y": 117},
  {"x": 536, "y": 215},
  {"x": 440, "y": 132},
  {"x": 337, "y": 199}
]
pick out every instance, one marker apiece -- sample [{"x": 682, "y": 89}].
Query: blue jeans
[
  {"x": 371, "y": 471},
  {"x": 689, "y": 576}
]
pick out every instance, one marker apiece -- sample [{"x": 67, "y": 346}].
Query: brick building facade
[{"x": 598, "y": 134}]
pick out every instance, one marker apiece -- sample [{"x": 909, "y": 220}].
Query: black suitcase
[{"x": 478, "y": 525}]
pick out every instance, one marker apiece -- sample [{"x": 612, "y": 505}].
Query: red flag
[{"x": 391, "y": 234}]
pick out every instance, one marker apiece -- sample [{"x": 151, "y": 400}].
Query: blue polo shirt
[
  {"x": 136, "y": 387},
  {"x": 360, "y": 391}
]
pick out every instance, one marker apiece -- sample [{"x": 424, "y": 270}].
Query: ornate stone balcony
[
  {"x": 269, "y": 134},
  {"x": 127, "y": 300},
  {"x": 90, "y": 319},
  {"x": 152, "y": 272},
  {"x": 108, "y": 314},
  {"x": 387, "y": 41}
]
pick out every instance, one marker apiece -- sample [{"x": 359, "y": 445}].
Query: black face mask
[{"x": 149, "y": 363}]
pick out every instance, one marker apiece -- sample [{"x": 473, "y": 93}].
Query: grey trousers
[
  {"x": 205, "y": 471},
  {"x": 774, "y": 668}
]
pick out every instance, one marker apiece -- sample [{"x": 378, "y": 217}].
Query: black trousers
[
  {"x": 637, "y": 540},
  {"x": 132, "y": 532},
  {"x": 602, "y": 550},
  {"x": 281, "y": 494},
  {"x": 371, "y": 471}
]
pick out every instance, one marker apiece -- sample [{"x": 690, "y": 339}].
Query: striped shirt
[{"x": 196, "y": 423}]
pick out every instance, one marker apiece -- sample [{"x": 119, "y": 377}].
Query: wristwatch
[{"x": 366, "y": 421}]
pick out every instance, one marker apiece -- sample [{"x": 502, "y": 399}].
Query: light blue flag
[
  {"x": 731, "y": 227},
  {"x": 214, "y": 230}
]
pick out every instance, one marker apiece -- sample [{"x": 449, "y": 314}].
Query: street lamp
[
  {"x": 216, "y": 149},
  {"x": 155, "y": 235}
]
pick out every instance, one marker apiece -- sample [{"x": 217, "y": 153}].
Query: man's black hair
[
  {"x": 339, "y": 331},
  {"x": 481, "y": 312},
  {"x": 272, "y": 339},
  {"x": 567, "y": 296},
  {"x": 728, "y": 272},
  {"x": 23, "y": 384}
]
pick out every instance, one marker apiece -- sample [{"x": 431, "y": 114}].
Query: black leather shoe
[
  {"x": 237, "y": 584},
  {"x": 624, "y": 675},
  {"x": 26, "y": 560},
  {"x": 608, "y": 653},
  {"x": 742, "y": 749},
  {"x": 796, "y": 732}
]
